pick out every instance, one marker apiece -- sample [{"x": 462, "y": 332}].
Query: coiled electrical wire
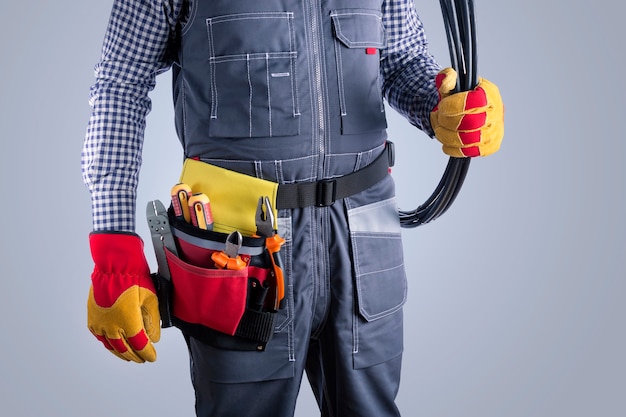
[{"x": 460, "y": 25}]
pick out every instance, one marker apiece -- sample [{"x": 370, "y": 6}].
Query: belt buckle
[{"x": 325, "y": 193}]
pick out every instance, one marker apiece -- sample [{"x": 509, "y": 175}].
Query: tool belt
[
  {"x": 235, "y": 308},
  {"x": 226, "y": 308}
]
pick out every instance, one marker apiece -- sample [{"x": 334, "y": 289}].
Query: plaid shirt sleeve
[
  {"x": 134, "y": 51},
  {"x": 408, "y": 69}
]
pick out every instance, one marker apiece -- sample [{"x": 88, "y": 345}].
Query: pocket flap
[
  {"x": 234, "y": 196},
  {"x": 359, "y": 28}
]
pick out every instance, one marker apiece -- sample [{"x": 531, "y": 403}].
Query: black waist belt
[{"x": 325, "y": 192}]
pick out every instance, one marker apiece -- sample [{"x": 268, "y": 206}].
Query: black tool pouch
[
  {"x": 230, "y": 309},
  {"x": 163, "y": 289}
]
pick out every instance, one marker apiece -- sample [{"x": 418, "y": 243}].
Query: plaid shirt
[{"x": 137, "y": 47}]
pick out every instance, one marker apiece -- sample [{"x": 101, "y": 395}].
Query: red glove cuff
[
  {"x": 118, "y": 253},
  {"x": 120, "y": 264}
]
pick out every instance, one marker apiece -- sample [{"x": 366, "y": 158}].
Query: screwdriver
[
  {"x": 200, "y": 211},
  {"x": 180, "y": 196}
]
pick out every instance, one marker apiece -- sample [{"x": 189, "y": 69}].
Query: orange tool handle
[
  {"x": 273, "y": 245},
  {"x": 223, "y": 261}
]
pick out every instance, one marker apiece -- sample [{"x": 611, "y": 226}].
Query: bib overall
[{"x": 289, "y": 91}]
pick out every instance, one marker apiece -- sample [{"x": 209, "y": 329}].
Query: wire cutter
[
  {"x": 264, "y": 219},
  {"x": 229, "y": 258}
]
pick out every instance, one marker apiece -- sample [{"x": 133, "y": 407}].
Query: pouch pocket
[
  {"x": 211, "y": 297},
  {"x": 359, "y": 36},
  {"x": 253, "y": 62}
]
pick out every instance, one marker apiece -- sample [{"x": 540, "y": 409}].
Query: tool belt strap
[
  {"x": 256, "y": 325},
  {"x": 325, "y": 192}
]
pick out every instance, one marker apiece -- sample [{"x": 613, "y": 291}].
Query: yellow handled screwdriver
[
  {"x": 180, "y": 201},
  {"x": 200, "y": 211}
]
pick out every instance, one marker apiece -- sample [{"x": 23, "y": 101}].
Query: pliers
[
  {"x": 161, "y": 233},
  {"x": 264, "y": 219},
  {"x": 162, "y": 239}
]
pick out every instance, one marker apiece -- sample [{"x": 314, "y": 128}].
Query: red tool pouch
[{"x": 231, "y": 309}]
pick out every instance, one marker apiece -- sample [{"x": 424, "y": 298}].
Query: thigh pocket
[
  {"x": 253, "y": 61},
  {"x": 380, "y": 281}
]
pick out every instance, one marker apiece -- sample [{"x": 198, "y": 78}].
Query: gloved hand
[
  {"x": 468, "y": 123},
  {"x": 122, "y": 309}
]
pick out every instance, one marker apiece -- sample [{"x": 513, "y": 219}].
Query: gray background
[{"x": 516, "y": 294}]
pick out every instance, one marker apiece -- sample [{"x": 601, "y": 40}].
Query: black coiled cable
[{"x": 460, "y": 26}]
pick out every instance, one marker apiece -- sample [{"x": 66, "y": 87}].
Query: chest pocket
[
  {"x": 252, "y": 62},
  {"x": 359, "y": 37}
]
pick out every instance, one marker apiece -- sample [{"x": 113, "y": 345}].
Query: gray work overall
[{"x": 289, "y": 91}]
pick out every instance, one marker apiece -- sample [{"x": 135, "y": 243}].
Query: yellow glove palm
[
  {"x": 122, "y": 308},
  {"x": 468, "y": 123}
]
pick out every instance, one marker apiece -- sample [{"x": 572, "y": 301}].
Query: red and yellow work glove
[
  {"x": 468, "y": 123},
  {"x": 122, "y": 309}
]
